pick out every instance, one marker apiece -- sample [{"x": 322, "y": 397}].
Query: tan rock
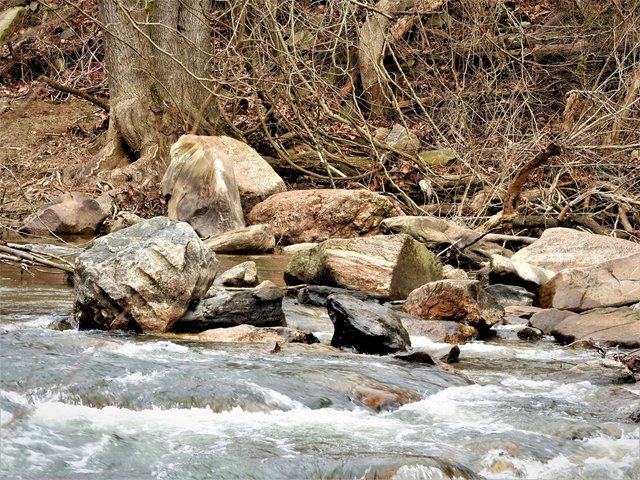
[
  {"x": 439, "y": 330},
  {"x": 388, "y": 266},
  {"x": 252, "y": 334},
  {"x": 252, "y": 239},
  {"x": 560, "y": 248},
  {"x": 608, "y": 284},
  {"x": 607, "y": 326},
  {"x": 300, "y": 216}
]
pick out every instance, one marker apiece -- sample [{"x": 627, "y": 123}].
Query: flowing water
[{"x": 76, "y": 405}]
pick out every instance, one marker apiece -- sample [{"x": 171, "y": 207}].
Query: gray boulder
[
  {"x": 608, "y": 284},
  {"x": 72, "y": 213},
  {"x": 253, "y": 239},
  {"x": 143, "y": 277},
  {"x": 260, "y": 306},
  {"x": 458, "y": 300},
  {"x": 388, "y": 266},
  {"x": 366, "y": 327},
  {"x": 202, "y": 186},
  {"x": 560, "y": 248},
  {"x": 510, "y": 295},
  {"x": 300, "y": 216}
]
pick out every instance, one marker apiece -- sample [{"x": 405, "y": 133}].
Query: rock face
[
  {"x": 389, "y": 267},
  {"x": 260, "y": 307},
  {"x": 608, "y": 326},
  {"x": 143, "y": 277},
  {"x": 458, "y": 300},
  {"x": 253, "y": 239},
  {"x": 252, "y": 334},
  {"x": 244, "y": 274},
  {"x": 608, "y": 284},
  {"x": 560, "y": 248},
  {"x": 255, "y": 178},
  {"x": 366, "y": 327},
  {"x": 201, "y": 183},
  {"x": 73, "y": 213},
  {"x": 301, "y": 216}
]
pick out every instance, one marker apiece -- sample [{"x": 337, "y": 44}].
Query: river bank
[{"x": 141, "y": 406}]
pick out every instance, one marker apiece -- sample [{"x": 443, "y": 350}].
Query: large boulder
[
  {"x": 610, "y": 327},
  {"x": 253, "y": 334},
  {"x": 457, "y": 300},
  {"x": 252, "y": 239},
  {"x": 202, "y": 186},
  {"x": 441, "y": 331},
  {"x": 366, "y": 327},
  {"x": 300, "y": 216},
  {"x": 513, "y": 272},
  {"x": 72, "y": 213},
  {"x": 608, "y": 284},
  {"x": 547, "y": 319},
  {"x": 255, "y": 178},
  {"x": 510, "y": 295},
  {"x": 260, "y": 306},
  {"x": 560, "y": 248},
  {"x": 388, "y": 266},
  {"x": 143, "y": 277}
]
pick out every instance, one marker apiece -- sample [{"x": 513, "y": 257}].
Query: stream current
[{"x": 85, "y": 404}]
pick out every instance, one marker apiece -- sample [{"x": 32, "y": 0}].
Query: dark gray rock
[
  {"x": 143, "y": 277},
  {"x": 510, "y": 295},
  {"x": 260, "y": 306},
  {"x": 316, "y": 295},
  {"x": 366, "y": 327},
  {"x": 530, "y": 333}
]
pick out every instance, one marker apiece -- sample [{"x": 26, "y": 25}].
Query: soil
[{"x": 40, "y": 140}]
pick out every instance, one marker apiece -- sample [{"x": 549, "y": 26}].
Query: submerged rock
[
  {"x": 366, "y": 327},
  {"x": 389, "y": 267},
  {"x": 260, "y": 306},
  {"x": 300, "y": 216},
  {"x": 253, "y": 334},
  {"x": 143, "y": 277}
]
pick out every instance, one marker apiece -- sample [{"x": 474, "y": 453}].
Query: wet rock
[
  {"x": 255, "y": 178},
  {"x": 458, "y": 300},
  {"x": 602, "y": 371},
  {"x": 274, "y": 336},
  {"x": 609, "y": 327},
  {"x": 72, "y": 213},
  {"x": 530, "y": 334},
  {"x": 510, "y": 295},
  {"x": 635, "y": 415},
  {"x": 260, "y": 306},
  {"x": 202, "y": 186},
  {"x": 416, "y": 356},
  {"x": 366, "y": 327},
  {"x": 316, "y": 295},
  {"x": 546, "y": 320},
  {"x": 252, "y": 239},
  {"x": 143, "y": 277},
  {"x": 452, "y": 356},
  {"x": 244, "y": 274},
  {"x": 383, "y": 398},
  {"x": 441, "y": 331},
  {"x": 300, "y": 216},
  {"x": 513, "y": 272},
  {"x": 518, "y": 314},
  {"x": 608, "y": 284},
  {"x": 560, "y": 248},
  {"x": 387, "y": 266}
]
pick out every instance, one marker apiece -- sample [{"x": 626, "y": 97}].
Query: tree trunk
[{"x": 158, "y": 61}]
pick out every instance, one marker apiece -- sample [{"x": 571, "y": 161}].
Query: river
[{"x": 77, "y": 405}]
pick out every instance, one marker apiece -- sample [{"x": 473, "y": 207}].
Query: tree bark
[{"x": 158, "y": 63}]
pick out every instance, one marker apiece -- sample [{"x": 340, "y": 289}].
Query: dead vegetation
[{"x": 312, "y": 85}]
